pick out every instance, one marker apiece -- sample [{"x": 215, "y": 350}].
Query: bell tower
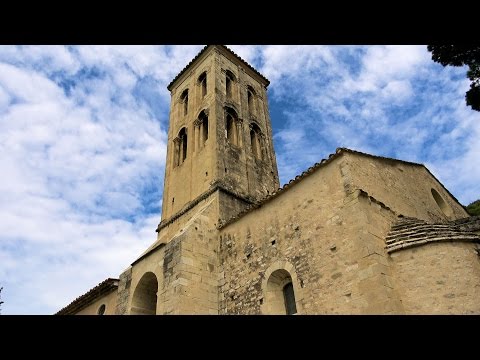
[{"x": 219, "y": 137}]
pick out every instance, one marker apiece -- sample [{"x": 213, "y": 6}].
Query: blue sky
[{"x": 83, "y": 144}]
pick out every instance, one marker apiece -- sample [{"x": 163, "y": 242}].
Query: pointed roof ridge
[
  {"x": 169, "y": 87},
  {"x": 338, "y": 152},
  {"x": 106, "y": 286}
]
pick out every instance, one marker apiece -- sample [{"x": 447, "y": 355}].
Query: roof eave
[{"x": 203, "y": 52}]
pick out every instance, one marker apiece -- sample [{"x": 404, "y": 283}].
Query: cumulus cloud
[
  {"x": 82, "y": 157},
  {"x": 387, "y": 100},
  {"x": 83, "y": 143}
]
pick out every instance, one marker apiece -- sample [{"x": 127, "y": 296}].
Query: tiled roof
[
  {"x": 226, "y": 49},
  {"x": 409, "y": 232},
  {"x": 285, "y": 187},
  {"x": 105, "y": 287},
  {"x": 404, "y": 162},
  {"x": 311, "y": 170}
]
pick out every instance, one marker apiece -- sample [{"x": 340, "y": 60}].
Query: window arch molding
[
  {"x": 233, "y": 124},
  {"x": 201, "y": 128},
  {"x": 183, "y": 99},
  {"x": 230, "y": 80},
  {"x": 204, "y": 111},
  {"x": 256, "y": 140},
  {"x": 251, "y": 101},
  {"x": 202, "y": 82},
  {"x": 180, "y": 147},
  {"x": 287, "y": 266},
  {"x": 254, "y": 124},
  {"x": 229, "y": 107},
  {"x": 230, "y": 75}
]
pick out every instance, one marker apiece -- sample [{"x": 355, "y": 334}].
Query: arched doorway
[
  {"x": 280, "y": 295},
  {"x": 144, "y": 301}
]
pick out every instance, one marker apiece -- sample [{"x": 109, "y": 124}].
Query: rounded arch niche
[
  {"x": 101, "y": 310},
  {"x": 144, "y": 301},
  {"x": 281, "y": 292},
  {"x": 446, "y": 209}
]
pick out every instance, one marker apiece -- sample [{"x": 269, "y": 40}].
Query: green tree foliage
[
  {"x": 474, "y": 208},
  {"x": 459, "y": 55}
]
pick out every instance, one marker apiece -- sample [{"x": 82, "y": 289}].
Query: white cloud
[
  {"x": 397, "y": 91},
  {"x": 249, "y": 53},
  {"x": 387, "y": 100},
  {"x": 74, "y": 166},
  {"x": 27, "y": 86}
]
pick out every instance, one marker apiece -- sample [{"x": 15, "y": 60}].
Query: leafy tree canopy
[
  {"x": 474, "y": 208},
  {"x": 459, "y": 55}
]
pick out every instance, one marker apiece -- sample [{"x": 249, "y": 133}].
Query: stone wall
[
  {"x": 185, "y": 267},
  {"x": 237, "y": 167},
  {"x": 471, "y": 224},
  {"x": 174, "y": 226},
  {"x": 439, "y": 278},
  {"x": 229, "y": 206},
  {"x": 218, "y": 159},
  {"x": 330, "y": 242},
  {"x": 192, "y": 177},
  {"x": 190, "y": 267},
  {"x": 123, "y": 294},
  {"x": 405, "y": 188}
]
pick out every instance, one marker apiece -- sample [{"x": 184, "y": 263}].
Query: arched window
[
  {"x": 144, "y": 301},
  {"x": 256, "y": 141},
  {"x": 184, "y": 100},
  {"x": 101, "y": 310},
  {"x": 183, "y": 140},
  {"x": 202, "y": 80},
  {"x": 251, "y": 100},
  {"x": 203, "y": 127},
  {"x": 280, "y": 295},
  {"x": 229, "y": 79},
  {"x": 447, "y": 210},
  {"x": 180, "y": 147},
  {"x": 289, "y": 297},
  {"x": 231, "y": 126}
]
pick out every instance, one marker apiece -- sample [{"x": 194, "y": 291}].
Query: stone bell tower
[{"x": 219, "y": 136}]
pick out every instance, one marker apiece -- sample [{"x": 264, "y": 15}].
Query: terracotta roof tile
[
  {"x": 409, "y": 232},
  {"x": 203, "y": 51},
  {"x": 82, "y": 301},
  {"x": 311, "y": 170}
]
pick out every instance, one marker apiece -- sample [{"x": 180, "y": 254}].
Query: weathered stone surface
[{"x": 409, "y": 232}]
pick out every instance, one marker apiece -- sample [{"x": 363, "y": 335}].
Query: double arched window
[
  {"x": 201, "y": 128},
  {"x": 180, "y": 147},
  {"x": 232, "y": 126},
  {"x": 256, "y": 141},
  {"x": 229, "y": 81},
  {"x": 251, "y": 100},
  {"x": 202, "y": 81},
  {"x": 184, "y": 101}
]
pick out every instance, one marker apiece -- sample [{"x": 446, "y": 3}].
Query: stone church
[{"x": 353, "y": 234}]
